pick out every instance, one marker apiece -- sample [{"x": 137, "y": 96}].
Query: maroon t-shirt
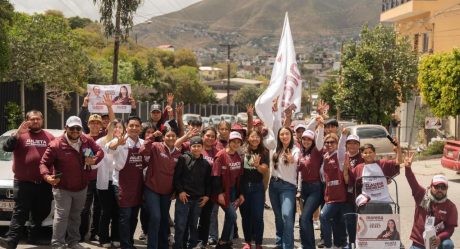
[
  {"x": 162, "y": 163},
  {"x": 310, "y": 166},
  {"x": 27, "y": 154},
  {"x": 446, "y": 216},
  {"x": 335, "y": 191},
  {"x": 230, "y": 168},
  {"x": 209, "y": 155},
  {"x": 221, "y": 144},
  {"x": 353, "y": 162}
]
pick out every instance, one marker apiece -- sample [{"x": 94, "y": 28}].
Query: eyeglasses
[
  {"x": 75, "y": 128},
  {"x": 329, "y": 142},
  {"x": 440, "y": 187}
]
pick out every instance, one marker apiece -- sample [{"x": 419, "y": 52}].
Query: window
[
  {"x": 371, "y": 132},
  {"x": 416, "y": 37},
  {"x": 426, "y": 39}
]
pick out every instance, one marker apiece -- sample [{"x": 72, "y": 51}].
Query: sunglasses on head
[
  {"x": 75, "y": 128},
  {"x": 440, "y": 187},
  {"x": 329, "y": 142}
]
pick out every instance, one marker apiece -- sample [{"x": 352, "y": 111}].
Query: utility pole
[{"x": 229, "y": 47}]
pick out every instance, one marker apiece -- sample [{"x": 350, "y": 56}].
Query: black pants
[
  {"x": 109, "y": 215},
  {"x": 34, "y": 198},
  {"x": 144, "y": 217},
  {"x": 92, "y": 200},
  {"x": 204, "y": 222}
]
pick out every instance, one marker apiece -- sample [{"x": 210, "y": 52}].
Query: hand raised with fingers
[
  {"x": 180, "y": 109},
  {"x": 408, "y": 159},
  {"x": 122, "y": 139},
  {"x": 275, "y": 104},
  {"x": 289, "y": 156},
  {"x": 86, "y": 100},
  {"x": 320, "y": 120},
  {"x": 169, "y": 99},
  {"x": 107, "y": 100},
  {"x": 23, "y": 128},
  {"x": 344, "y": 130},
  {"x": 250, "y": 109}
]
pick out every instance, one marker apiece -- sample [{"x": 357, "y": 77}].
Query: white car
[
  {"x": 6, "y": 182},
  {"x": 375, "y": 135}
]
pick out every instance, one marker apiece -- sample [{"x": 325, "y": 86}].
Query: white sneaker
[
  {"x": 116, "y": 243},
  {"x": 106, "y": 245},
  {"x": 171, "y": 239},
  {"x": 316, "y": 225}
]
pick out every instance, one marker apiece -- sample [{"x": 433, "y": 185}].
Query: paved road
[{"x": 424, "y": 171}]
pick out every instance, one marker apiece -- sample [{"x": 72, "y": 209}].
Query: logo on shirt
[
  {"x": 35, "y": 143},
  {"x": 234, "y": 166}
]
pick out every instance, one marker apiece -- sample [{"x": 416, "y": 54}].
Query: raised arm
[
  {"x": 250, "y": 112},
  {"x": 108, "y": 104},
  {"x": 341, "y": 148},
  {"x": 319, "y": 137}
]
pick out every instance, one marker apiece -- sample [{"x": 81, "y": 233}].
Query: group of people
[{"x": 117, "y": 169}]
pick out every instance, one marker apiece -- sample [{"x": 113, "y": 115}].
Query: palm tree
[{"x": 124, "y": 10}]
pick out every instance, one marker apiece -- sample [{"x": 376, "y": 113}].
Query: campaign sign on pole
[
  {"x": 378, "y": 231},
  {"x": 433, "y": 123},
  {"x": 119, "y": 94}
]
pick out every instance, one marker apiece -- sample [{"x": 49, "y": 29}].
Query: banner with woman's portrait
[
  {"x": 378, "y": 231},
  {"x": 119, "y": 94}
]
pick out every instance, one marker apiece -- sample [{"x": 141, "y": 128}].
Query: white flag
[{"x": 285, "y": 83}]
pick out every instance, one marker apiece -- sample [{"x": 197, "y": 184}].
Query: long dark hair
[
  {"x": 394, "y": 223},
  {"x": 307, "y": 151},
  {"x": 279, "y": 146},
  {"x": 260, "y": 148}
]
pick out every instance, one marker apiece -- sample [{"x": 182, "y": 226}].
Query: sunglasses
[
  {"x": 440, "y": 187},
  {"x": 75, "y": 128},
  {"x": 329, "y": 142}
]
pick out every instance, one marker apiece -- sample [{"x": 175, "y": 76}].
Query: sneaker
[
  {"x": 316, "y": 224},
  {"x": 7, "y": 243},
  {"x": 212, "y": 242},
  {"x": 116, "y": 243},
  {"x": 59, "y": 247},
  {"x": 266, "y": 206},
  {"x": 320, "y": 244},
  {"x": 106, "y": 245},
  {"x": 142, "y": 236},
  {"x": 247, "y": 246},
  {"x": 223, "y": 245},
  {"x": 78, "y": 246},
  {"x": 171, "y": 239}
]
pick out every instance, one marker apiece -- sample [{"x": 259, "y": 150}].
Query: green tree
[
  {"x": 123, "y": 17},
  {"x": 439, "y": 81},
  {"x": 327, "y": 91},
  {"x": 186, "y": 85},
  {"x": 45, "y": 51},
  {"x": 223, "y": 73},
  {"x": 379, "y": 72},
  {"x": 185, "y": 57},
  {"x": 76, "y": 22},
  {"x": 6, "y": 20},
  {"x": 247, "y": 95}
]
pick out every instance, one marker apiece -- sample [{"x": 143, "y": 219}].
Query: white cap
[
  {"x": 353, "y": 138},
  {"x": 235, "y": 135},
  {"x": 300, "y": 126},
  {"x": 308, "y": 133},
  {"x": 439, "y": 179},
  {"x": 73, "y": 121}
]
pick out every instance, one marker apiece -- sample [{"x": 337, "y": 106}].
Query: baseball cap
[
  {"x": 439, "y": 179},
  {"x": 256, "y": 122},
  {"x": 237, "y": 127},
  {"x": 235, "y": 135},
  {"x": 73, "y": 121},
  {"x": 300, "y": 126},
  {"x": 332, "y": 122},
  {"x": 95, "y": 117},
  {"x": 155, "y": 107},
  {"x": 308, "y": 133},
  {"x": 353, "y": 138},
  {"x": 196, "y": 140}
]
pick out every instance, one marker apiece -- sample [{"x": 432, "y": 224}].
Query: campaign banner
[
  {"x": 119, "y": 94},
  {"x": 378, "y": 231}
]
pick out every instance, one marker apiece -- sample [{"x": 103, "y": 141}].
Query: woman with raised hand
[{"x": 283, "y": 187}]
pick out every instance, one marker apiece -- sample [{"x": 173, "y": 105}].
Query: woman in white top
[
  {"x": 283, "y": 187},
  {"x": 105, "y": 190}
]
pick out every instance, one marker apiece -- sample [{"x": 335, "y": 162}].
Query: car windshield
[
  {"x": 371, "y": 132},
  {"x": 4, "y": 156}
]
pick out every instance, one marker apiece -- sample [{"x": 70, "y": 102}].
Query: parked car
[
  {"x": 229, "y": 118},
  {"x": 189, "y": 116},
  {"x": 451, "y": 155},
  {"x": 346, "y": 124},
  {"x": 375, "y": 135},
  {"x": 298, "y": 115},
  {"x": 214, "y": 120},
  {"x": 205, "y": 121},
  {"x": 242, "y": 118},
  {"x": 6, "y": 182}
]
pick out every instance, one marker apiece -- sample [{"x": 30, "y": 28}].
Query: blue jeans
[
  {"x": 158, "y": 206},
  {"x": 127, "y": 226},
  {"x": 445, "y": 244},
  {"x": 312, "y": 196},
  {"x": 282, "y": 197},
  {"x": 330, "y": 217},
  {"x": 186, "y": 217},
  {"x": 252, "y": 212},
  {"x": 214, "y": 223},
  {"x": 229, "y": 222}
]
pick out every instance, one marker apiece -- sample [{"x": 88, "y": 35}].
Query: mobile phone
[
  {"x": 58, "y": 175},
  {"x": 392, "y": 140}
]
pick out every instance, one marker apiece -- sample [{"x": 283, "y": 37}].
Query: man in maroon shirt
[
  {"x": 434, "y": 213},
  {"x": 66, "y": 165},
  {"x": 31, "y": 193}
]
